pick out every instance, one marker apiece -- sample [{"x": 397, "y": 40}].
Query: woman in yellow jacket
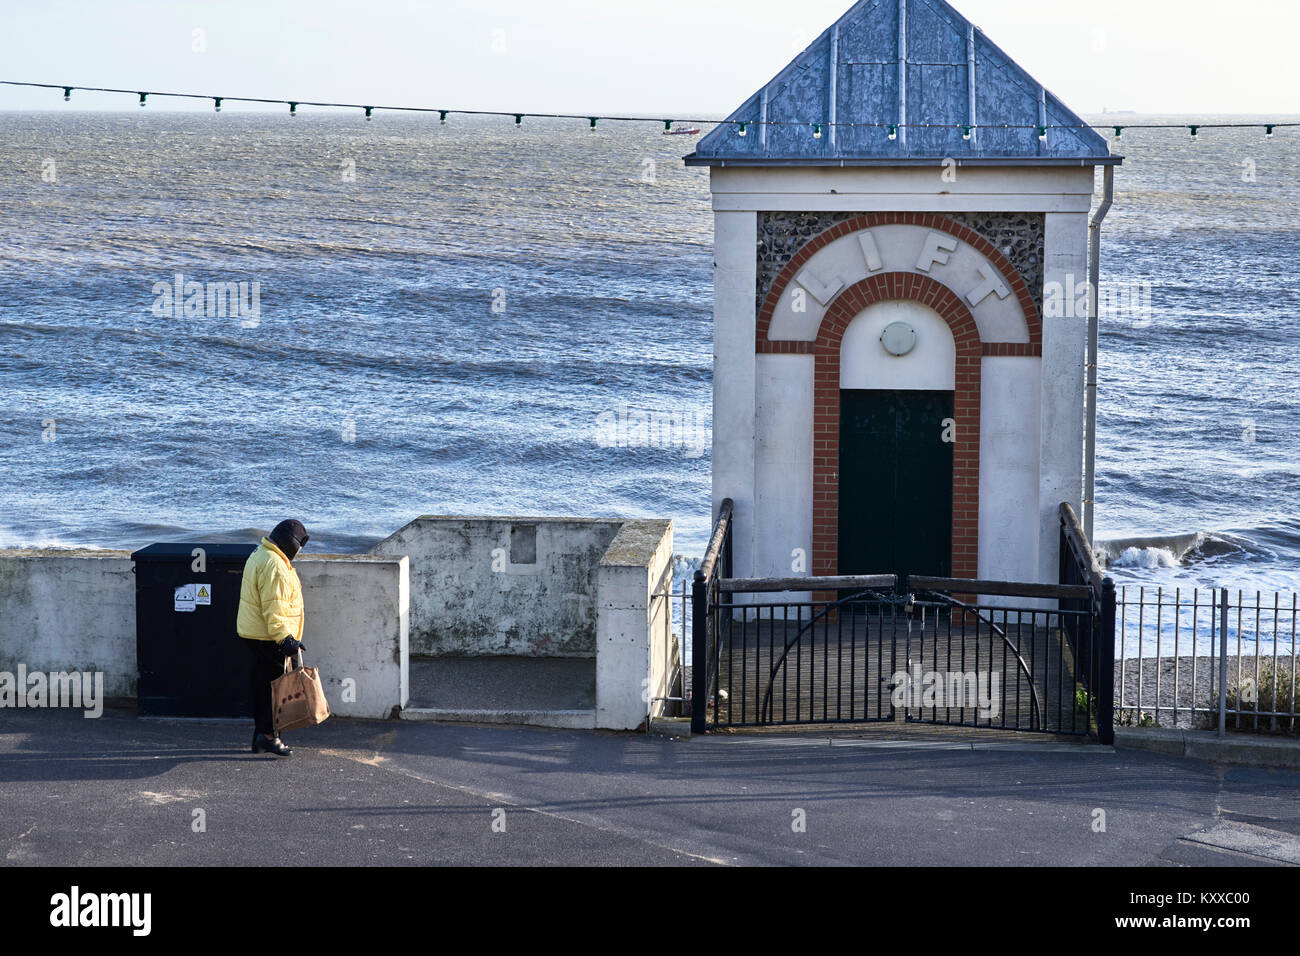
[{"x": 270, "y": 622}]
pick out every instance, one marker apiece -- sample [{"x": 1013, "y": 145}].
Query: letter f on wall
[{"x": 936, "y": 250}]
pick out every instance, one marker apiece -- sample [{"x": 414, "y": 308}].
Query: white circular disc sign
[{"x": 899, "y": 338}]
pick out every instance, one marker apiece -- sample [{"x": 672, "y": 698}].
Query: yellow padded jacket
[{"x": 270, "y": 597}]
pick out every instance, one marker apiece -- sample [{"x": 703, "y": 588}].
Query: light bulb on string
[{"x": 741, "y": 126}]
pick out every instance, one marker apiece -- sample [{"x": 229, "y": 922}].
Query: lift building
[{"x": 889, "y": 394}]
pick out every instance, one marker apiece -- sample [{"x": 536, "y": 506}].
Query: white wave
[
  {"x": 18, "y": 542},
  {"x": 1127, "y": 552},
  {"x": 1145, "y": 558}
]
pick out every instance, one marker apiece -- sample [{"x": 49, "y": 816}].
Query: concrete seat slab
[{"x": 501, "y": 685}]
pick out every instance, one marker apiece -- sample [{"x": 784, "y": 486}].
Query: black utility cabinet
[{"x": 190, "y": 661}]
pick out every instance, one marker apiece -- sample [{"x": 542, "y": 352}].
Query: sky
[{"x": 657, "y": 57}]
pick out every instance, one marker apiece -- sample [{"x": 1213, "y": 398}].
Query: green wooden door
[{"x": 895, "y": 483}]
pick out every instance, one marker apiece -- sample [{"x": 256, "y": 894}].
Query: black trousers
[{"x": 268, "y": 664}]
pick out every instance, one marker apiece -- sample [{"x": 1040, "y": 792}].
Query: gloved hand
[{"x": 289, "y": 646}]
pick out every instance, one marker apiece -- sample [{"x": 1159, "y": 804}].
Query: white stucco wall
[
  {"x": 1065, "y": 342},
  {"x": 735, "y": 271},
  {"x": 1009, "y": 487},
  {"x": 1032, "y": 409},
  {"x": 903, "y": 189},
  {"x": 783, "y": 490},
  {"x": 864, "y": 362}
]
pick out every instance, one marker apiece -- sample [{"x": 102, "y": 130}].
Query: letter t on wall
[{"x": 992, "y": 284}]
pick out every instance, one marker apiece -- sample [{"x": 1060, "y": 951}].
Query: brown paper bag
[{"x": 297, "y": 699}]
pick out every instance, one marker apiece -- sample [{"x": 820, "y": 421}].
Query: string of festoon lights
[{"x": 741, "y": 127}]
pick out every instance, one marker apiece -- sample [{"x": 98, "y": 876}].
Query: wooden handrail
[
  {"x": 1080, "y": 546},
  {"x": 847, "y": 582},
  {"x": 714, "y": 550},
  {"x": 917, "y": 582}
]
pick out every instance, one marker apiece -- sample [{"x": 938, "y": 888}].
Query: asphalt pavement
[{"x": 121, "y": 790}]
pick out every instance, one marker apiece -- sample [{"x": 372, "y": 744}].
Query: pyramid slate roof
[{"x": 916, "y": 71}]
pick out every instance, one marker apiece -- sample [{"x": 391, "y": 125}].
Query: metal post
[
  {"x": 902, "y": 75},
  {"x": 832, "y": 82},
  {"x": 1094, "y": 279},
  {"x": 1104, "y": 649},
  {"x": 1223, "y": 662},
  {"x": 699, "y": 653}
]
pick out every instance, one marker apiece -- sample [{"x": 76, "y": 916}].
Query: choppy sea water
[
  {"x": 1198, "y": 444},
  {"x": 461, "y": 319}
]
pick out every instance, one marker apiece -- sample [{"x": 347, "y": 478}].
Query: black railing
[
  {"x": 850, "y": 650},
  {"x": 1006, "y": 655},
  {"x": 1202, "y": 659},
  {"x": 868, "y": 594},
  {"x": 1092, "y": 641},
  {"x": 704, "y": 616}
]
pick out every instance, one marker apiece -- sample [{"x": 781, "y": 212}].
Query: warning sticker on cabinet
[
  {"x": 185, "y": 597},
  {"x": 203, "y": 594}
]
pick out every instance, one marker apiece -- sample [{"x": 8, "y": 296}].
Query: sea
[{"x": 417, "y": 318}]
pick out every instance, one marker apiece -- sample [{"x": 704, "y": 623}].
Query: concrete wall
[
  {"x": 781, "y": 519},
  {"x": 502, "y": 586},
  {"x": 1031, "y": 409},
  {"x": 735, "y": 271},
  {"x": 532, "y": 587},
  {"x": 1009, "y": 538},
  {"x": 1065, "y": 356},
  {"x": 357, "y": 611},
  {"x": 75, "y": 610},
  {"x": 633, "y": 628},
  {"x": 69, "y": 611}
]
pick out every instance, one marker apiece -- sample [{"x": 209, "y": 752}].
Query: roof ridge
[{"x": 858, "y": 80}]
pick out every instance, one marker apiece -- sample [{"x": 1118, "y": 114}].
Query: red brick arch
[
  {"x": 1015, "y": 282},
  {"x": 825, "y": 349}
]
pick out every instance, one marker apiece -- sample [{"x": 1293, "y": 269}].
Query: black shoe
[{"x": 272, "y": 745}]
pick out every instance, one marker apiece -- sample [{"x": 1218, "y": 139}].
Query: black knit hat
[{"x": 290, "y": 537}]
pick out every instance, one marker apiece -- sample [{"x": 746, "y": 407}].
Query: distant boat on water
[{"x": 682, "y": 132}]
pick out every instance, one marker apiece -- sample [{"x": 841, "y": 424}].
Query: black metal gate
[{"x": 1015, "y": 656}]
